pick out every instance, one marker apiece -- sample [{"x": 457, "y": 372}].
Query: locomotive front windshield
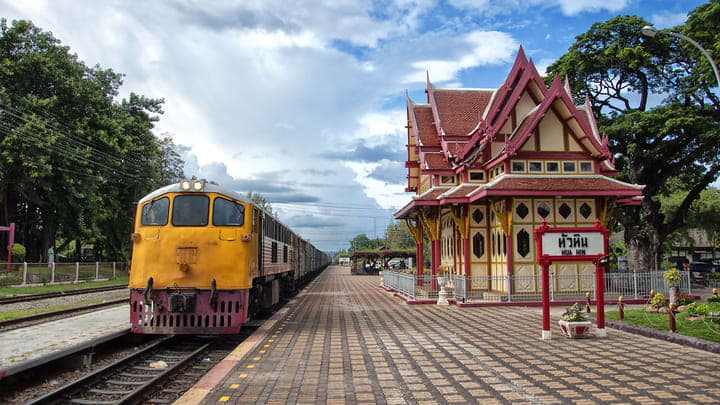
[
  {"x": 155, "y": 212},
  {"x": 227, "y": 213},
  {"x": 190, "y": 210}
]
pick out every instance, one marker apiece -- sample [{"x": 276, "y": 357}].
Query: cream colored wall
[
  {"x": 529, "y": 145},
  {"x": 524, "y": 105},
  {"x": 551, "y": 133},
  {"x": 479, "y": 264},
  {"x": 557, "y": 217},
  {"x": 446, "y": 239}
]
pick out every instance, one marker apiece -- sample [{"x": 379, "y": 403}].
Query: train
[{"x": 205, "y": 260}]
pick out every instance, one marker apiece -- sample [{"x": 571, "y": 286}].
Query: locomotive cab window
[
  {"x": 227, "y": 213},
  {"x": 155, "y": 212},
  {"x": 190, "y": 210}
]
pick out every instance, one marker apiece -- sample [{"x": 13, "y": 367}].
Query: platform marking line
[
  {"x": 234, "y": 386},
  {"x": 261, "y": 351},
  {"x": 251, "y": 366},
  {"x": 224, "y": 398},
  {"x": 243, "y": 375}
]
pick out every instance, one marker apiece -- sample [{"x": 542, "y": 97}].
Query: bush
[
  {"x": 658, "y": 300},
  {"x": 682, "y": 299},
  {"x": 713, "y": 298},
  {"x": 574, "y": 314},
  {"x": 672, "y": 276},
  {"x": 698, "y": 309},
  {"x": 18, "y": 252}
]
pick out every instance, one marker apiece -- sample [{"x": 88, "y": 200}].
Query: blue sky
[{"x": 304, "y": 102}]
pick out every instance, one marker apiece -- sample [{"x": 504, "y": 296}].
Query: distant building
[
  {"x": 344, "y": 261},
  {"x": 487, "y": 166}
]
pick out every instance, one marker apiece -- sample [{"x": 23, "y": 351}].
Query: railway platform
[
  {"x": 344, "y": 340},
  {"x": 24, "y": 348}
]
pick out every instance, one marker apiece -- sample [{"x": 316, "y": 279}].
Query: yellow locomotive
[{"x": 205, "y": 259}]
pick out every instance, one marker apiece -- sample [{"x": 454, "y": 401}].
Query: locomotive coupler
[
  {"x": 213, "y": 297},
  {"x": 181, "y": 302},
  {"x": 148, "y": 290}
]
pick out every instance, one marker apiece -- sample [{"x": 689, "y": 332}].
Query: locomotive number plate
[{"x": 187, "y": 255}]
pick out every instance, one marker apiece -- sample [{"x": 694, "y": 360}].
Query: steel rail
[
  {"x": 45, "y": 315},
  {"x": 35, "y": 297}
]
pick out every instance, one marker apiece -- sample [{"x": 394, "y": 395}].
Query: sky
[{"x": 304, "y": 101}]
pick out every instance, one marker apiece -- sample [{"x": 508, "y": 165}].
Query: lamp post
[{"x": 651, "y": 31}]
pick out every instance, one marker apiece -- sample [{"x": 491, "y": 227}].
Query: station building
[{"x": 487, "y": 166}]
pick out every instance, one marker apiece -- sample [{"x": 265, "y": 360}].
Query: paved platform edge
[
  {"x": 202, "y": 388},
  {"x": 667, "y": 336}
]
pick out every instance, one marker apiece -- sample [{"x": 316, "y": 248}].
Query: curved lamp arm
[{"x": 651, "y": 31}]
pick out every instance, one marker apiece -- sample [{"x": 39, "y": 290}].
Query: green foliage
[
  {"x": 658, "y": 300},
  {"x": 18, "y": 252},
  {"x": 619, "y": 69},
  {"x": 258, "y": 199},
  {"x": 713, "y": 298},
  {"x": 574, "y": 314},
  {"x": 672, "y": 276},
  {"x": 64, "y": 133},
  {"x": 698, "y": 309}
]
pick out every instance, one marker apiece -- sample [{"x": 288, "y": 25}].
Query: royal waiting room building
[{"x": 487, "y": 166}]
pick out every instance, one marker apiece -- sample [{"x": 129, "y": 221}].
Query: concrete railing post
[
  {"x": 52, "y": 272},
  {"x": 114, "y": 263},
  {"x": 97, "y": 270},
  {"x": 77, "y": 272},
  {"x": 24, "y": 277}
]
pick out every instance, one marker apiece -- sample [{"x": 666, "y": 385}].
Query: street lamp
[{"x": 651, "y": 31}]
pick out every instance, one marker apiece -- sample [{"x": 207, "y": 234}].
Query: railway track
[
  {"x": 10, "y": 323},
  {"x": 158, "y": 374},
  {"x": 35, "y": 297}
]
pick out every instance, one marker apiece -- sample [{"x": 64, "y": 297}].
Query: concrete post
[{"x": 77, "y": 272}]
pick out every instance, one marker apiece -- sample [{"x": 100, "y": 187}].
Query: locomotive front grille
[{"x": 186, "y": 313}]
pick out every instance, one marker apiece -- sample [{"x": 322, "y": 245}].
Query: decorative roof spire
[{"x": 567, "y": 86}]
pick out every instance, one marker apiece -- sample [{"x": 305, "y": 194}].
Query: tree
[
  {"x": 73, "y": 160},
  {"x": 619, "y": 70},
  {"x": 258, "y": 199},
  {"x": 360, "y": 242}
]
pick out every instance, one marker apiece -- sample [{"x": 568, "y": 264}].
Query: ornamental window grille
[
  {"x": 492, "y": 243},
  {"x": 477, "y": 216},
  {"x": 504, "y": 238},
  {"x": 543, "y": 210},
  {"x": 523, "y": 242},
  {"x": 564, "y": 210},
  {"x": 522, "y": 210},
  {"x": 585, "y": 210},
  {"x": 478, "y": 245}
]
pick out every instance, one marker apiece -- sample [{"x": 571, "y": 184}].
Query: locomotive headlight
[
  {"x": 197, "y": 185},
  {"x": 185, "y": 185}
]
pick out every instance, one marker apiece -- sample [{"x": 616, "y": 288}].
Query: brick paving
[{"x": 344, "y": 340}]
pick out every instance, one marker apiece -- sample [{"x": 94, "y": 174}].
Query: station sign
[{"x": 573, "y": 243}]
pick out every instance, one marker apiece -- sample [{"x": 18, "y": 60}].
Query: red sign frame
[{"x": 545, "y": 261}]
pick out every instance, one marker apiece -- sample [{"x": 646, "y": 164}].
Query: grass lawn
[
  {"x": 8, "y": 291},
  {"x": 700, "y": 329},
  {"x": 19, "y": 314}
]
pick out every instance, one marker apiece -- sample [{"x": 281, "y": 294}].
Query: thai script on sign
[{"x": 573, "y": 243}]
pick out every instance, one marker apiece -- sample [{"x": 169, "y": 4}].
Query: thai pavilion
[{"x": 487, "y": 166}]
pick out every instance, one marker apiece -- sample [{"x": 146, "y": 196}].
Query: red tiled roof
[
  {"x": 437, "y": 161},
  {"x": 433, "y": 194},
  {"x": 459, "y": 110},
  {"x": 561, "y": 183},
  {"x": 426, "y": 129},
  {"x": 462, "y": 191}
]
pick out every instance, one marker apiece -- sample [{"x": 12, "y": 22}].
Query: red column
[
  {"x": 509, "y": 243},
  {"x": 600, "y": 283},
  {"x": 419, "y": 257},
  {"x": 546, "y": 334},
  {"x": 466, "y": 264}
]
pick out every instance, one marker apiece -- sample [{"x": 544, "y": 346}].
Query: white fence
[
  {"x": 529, "y": 288},
  {"x": 55, "y": 273}
]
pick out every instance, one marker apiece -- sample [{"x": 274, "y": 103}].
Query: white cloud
[
  {"x": 568, "y": 7},
  {"x": 474, "y": 49},
  {"x": 668, "y": 19}
]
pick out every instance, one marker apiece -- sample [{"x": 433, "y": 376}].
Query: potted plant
[
  {"x": 672, "y": 277},
  {"x": 574, "y": 323}
]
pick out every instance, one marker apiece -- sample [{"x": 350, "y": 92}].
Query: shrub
[
  {"x": 682, "y": 299},
  {"x": 698, "y": 309},
  {"x": 713, "y": 298},
  {"x": 672, "y": 276},
  {"x": 18, "y": 252},
  {"x": 574, "y": 314},
  {"x": 658, "y": 300}
]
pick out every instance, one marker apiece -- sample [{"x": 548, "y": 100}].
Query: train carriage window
[
  {"x": 155, "y": 212},
  {"x": 190, "y": 210},
  {"x": 228, "y": 213}
]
